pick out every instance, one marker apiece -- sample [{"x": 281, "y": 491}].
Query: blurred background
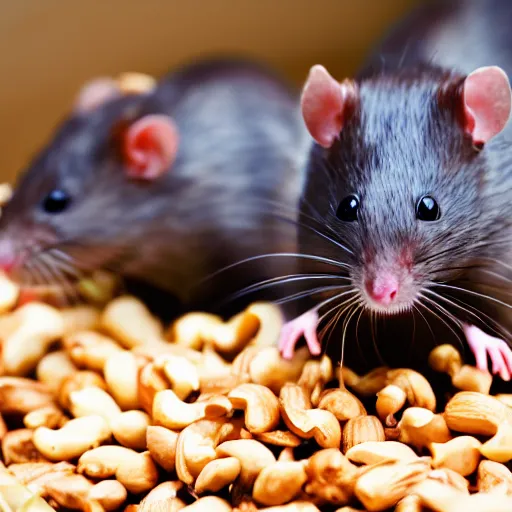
[{"x": 50, "y": 47}]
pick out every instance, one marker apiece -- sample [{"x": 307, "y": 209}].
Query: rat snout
[
  {"x": 7, "y": 256},
  {"x": 383, "y": 289}
]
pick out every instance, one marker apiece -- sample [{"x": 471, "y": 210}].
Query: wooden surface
[{"x": 49, "y": 47}]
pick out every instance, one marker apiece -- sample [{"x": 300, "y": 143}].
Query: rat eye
[
  {"x": 348, "y": 208},
  {"x": 427, "y": 209},
  {"x": 56, "y": 201}
]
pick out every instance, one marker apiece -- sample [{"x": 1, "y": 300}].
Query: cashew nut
[
  {"x": 73, "y": 439},
  {"x": 261, "y": 407},
  {"x": 130, "y": 322},
  {"x": 136, "y": 471},
  {"x": 37, "y": 325}
]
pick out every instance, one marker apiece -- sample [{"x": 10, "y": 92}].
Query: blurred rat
[
  {"x": 409, "y": 181},
  {"x": 163, "y": 187}
]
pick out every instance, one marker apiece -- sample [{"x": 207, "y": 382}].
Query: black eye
[
  {"x": 56, "y": 201},
  {"x": 427, "y": 209},
  {"x": 348, "y": 208}
]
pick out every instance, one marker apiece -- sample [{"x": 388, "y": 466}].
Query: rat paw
[
  {"x": 304, "y": 325},
  {"x": 499, "y": 351}
]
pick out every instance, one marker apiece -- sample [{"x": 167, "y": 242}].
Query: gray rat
[
  {"x": 163, "y": 187},
  {"x": 409, "y": 181}
]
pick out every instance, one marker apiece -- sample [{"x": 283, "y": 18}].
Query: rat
[
  {"x": 409, "y": 182},
  {"x": 163, "y": 187}
]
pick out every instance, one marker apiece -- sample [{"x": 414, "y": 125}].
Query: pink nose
[
  {"x": 383, "y": 289},
  {"x": 7, "y": 257}
]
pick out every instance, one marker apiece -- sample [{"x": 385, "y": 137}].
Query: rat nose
[
  {"x": 383, "y": 289},
  {"x": 7, "y": 256}
]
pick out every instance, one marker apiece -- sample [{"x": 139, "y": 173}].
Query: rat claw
[
  {"x": 304, "y": 325},
  {"x": 499, "y": 351}
]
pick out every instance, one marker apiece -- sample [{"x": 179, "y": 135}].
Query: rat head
[
  {"x": 399, "y": 175},
  {"x": 90, "y": 195}
]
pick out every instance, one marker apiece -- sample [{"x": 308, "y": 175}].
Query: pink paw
[
  {"x": 304, "y": 325},
  {"x": 499, "y": 351}
]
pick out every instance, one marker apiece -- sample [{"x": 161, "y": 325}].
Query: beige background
[{"x": 49, "y": 47}]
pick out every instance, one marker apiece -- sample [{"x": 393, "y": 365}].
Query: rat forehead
[
  {"x": 401, "y": 122},
  {"x": 87, "y": 131}
]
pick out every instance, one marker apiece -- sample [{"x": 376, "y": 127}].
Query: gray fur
[
  {"x": 239, "y": 140},
  {"x": 401, "y": 143}
]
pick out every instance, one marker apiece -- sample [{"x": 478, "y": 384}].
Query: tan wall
[{"x": 49, "y": 47}]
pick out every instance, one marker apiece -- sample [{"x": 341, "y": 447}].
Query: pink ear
[
  {"x": 323, "y": 105},
  {"x": 150, "y": 146},
  {"x": 95, "y": 93},
  {"x": 487, "y": 103}
]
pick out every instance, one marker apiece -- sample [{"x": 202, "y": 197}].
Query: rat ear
[
  {"x": 487, "y": 98},
  {"x": 95, "y": 93},
  {"x": 324, "y": 102},
  {"x": 149, "y": 147}
]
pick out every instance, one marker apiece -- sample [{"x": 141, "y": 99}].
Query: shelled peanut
[{"x": 126, "y": 414}]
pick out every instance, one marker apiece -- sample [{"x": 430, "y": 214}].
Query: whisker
[
  {"x": 302, "y": 295},
  {"x": 276, "y": 255},
  {"x": 466, "y": 308},
  {"x": 276, "y": 281},
  {"x": 440, "y": 318},
  {"x": 343, "y": 339},
  {"x": 476, "y": 294}
]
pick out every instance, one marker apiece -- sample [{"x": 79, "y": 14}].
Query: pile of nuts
[{"x": 103, "y": 409}]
